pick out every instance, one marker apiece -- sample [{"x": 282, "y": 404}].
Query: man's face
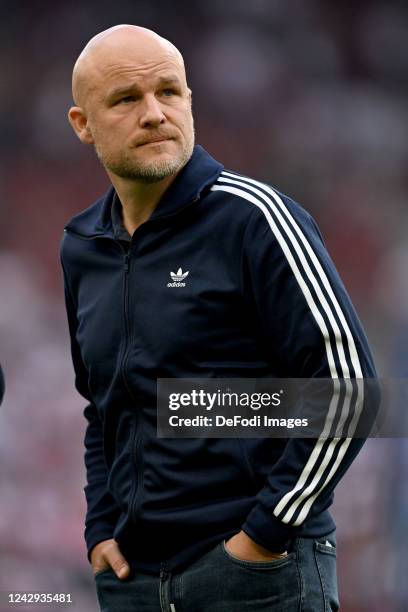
[{"x": 139, "y": 114}]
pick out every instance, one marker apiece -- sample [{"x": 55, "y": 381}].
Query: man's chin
[
  {"x": 150, "y": 163},
  {"x": 147, "y": 173},
  {"x": 160, "y": 154}
]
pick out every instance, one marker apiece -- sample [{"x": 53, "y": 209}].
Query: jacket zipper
[
  {"x": 138, "y": 426},
  {"x": 137, "y": 429},
  {"x": 135, "y": 495}
]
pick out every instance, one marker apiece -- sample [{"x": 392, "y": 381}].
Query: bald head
[
  {"x": 132, "y": 103},
  {"x": 137, "y": 45}
]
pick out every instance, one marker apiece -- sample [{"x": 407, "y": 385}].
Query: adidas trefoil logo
[{"x": 178, "y": 278}]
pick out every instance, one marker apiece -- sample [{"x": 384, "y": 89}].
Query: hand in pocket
[
  {"x": 107, "y": 554},
  {"x": 244, "y": 548}
]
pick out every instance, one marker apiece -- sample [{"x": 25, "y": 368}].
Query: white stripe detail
[
  {"x": 353, "y": 352},
  {"x": 305, "y": 289},
  {"x": 350, "y": 340},
  {"x": 172, "y": 608},
  {"x": 314, "y": 455},
  {"x": 309, "y": 274},
  {"x": 352, "y": 348},
  {"x": 322, "y": 467},
  {"x": 353, "y": 424}
]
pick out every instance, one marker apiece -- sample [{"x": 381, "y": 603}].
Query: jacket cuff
[
  {"x": 267, "y": 531},
  {"x": 97, "y": 533}
]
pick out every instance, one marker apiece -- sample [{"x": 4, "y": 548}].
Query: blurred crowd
[{"x": 308, "y": 95}]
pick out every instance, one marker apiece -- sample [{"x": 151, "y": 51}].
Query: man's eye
[
  {"x": 168, "y": 91},
  {"x": 126, "y": 100}
]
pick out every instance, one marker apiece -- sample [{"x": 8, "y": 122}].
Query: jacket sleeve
[
  {"x": 309, "y": 327},
  {"x": 102, "y": 511}
]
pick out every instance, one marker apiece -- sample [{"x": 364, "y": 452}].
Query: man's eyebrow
[
  {"x": 169, "y": 80},
  {"x": 119, "y": 91},
  {"x": 163, "y": 80}
]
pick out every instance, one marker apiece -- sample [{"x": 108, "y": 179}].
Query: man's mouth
[{"x": 154, "y": 141}]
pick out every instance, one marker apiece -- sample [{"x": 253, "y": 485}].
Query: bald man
[{"x": 185, "y": 270}]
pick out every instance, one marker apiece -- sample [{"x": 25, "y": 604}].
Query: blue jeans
[{"x": 303, "y": 581}]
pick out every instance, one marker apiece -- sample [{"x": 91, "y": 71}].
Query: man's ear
[{"x": 79, "y": 123}]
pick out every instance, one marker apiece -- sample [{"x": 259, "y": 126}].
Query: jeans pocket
[
  {"x": 325, "y": 555},
  {"x": 102, "y": 572},
  {"x": 261, "y": 565},
  {"x": 259, "y": 585}
]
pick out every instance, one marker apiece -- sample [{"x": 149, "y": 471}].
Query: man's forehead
[
  {"x": 137, "y": 78},
  {"x": 122, "y": 83},
  {"x": 127, "y": 52},
  {"x": 116, "y": 76},
  {"x": 134, "y": 65}
]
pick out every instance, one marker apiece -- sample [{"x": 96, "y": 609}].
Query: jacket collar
[{"x": 200, "y": 172}]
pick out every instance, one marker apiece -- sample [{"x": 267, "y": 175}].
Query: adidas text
[{"x": 176, "y": 284}]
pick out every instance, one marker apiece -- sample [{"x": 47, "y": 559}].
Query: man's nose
[{"x": 152, "y": 114}]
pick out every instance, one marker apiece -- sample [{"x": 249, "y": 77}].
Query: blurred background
[{"x": 310, "y": 96}]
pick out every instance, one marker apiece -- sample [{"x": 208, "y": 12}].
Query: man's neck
[{"x": 138, "y": 199}]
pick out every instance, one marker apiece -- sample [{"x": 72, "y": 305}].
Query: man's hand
[
  {"x": 243, "y": 547},
  {"x": 107, "y": 554}
]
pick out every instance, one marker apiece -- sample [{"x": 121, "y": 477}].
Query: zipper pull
[{"x": 127, "y": 262}]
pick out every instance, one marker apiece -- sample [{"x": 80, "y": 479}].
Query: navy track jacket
[{"x": 262, "y": 299}]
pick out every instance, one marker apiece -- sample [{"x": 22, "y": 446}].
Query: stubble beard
[{"x": 124, "y": 165}]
